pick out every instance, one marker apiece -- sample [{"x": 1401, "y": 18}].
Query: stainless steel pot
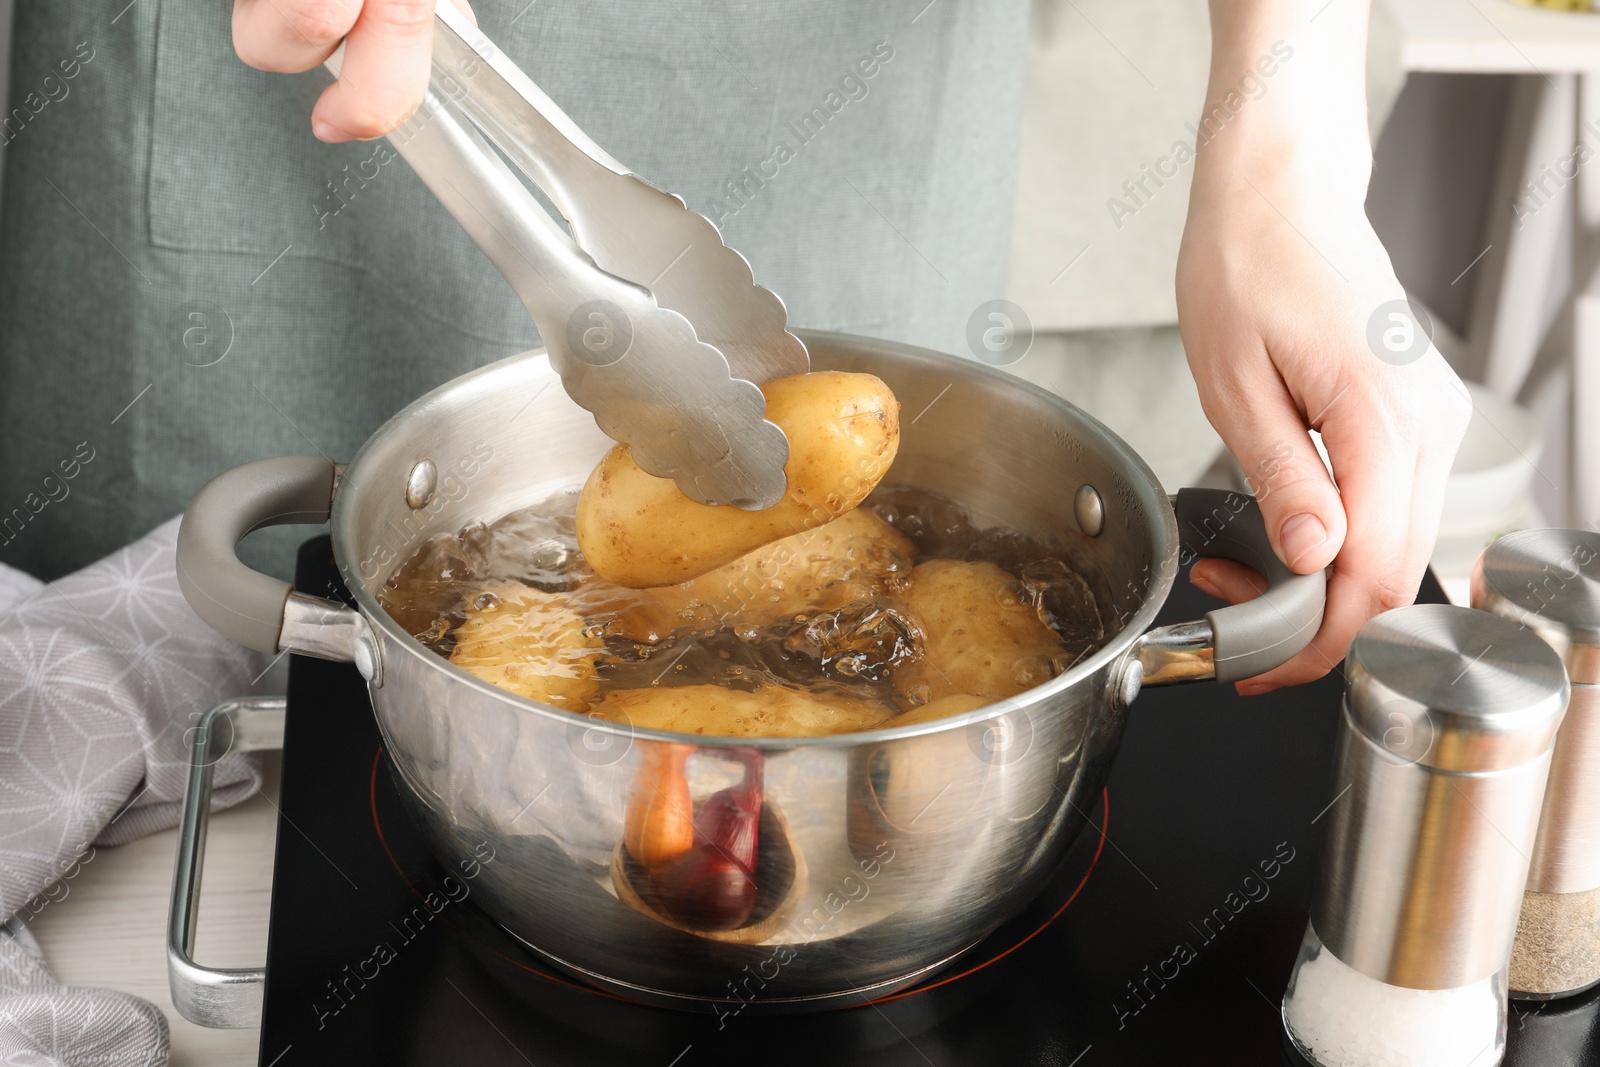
[{"x": 885, "y": 854}]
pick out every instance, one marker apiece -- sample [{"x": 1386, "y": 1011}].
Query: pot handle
[
  {"x": 1243, "y": 640},
  {"x": 214, "y": 996},
  {"x": 249, "y": 607}
]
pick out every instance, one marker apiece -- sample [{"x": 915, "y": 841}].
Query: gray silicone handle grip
[
  {"x": 1260, "y": 634},
  {"x": 243, "y": 604}
]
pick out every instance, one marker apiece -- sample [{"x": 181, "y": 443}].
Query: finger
[
  {"x": 1234, "y": 583},
  {"x": 1385, "y": 552},
  {"x": 1227, "y": 580},
  {"x": 385, "y": 72},
  {"x": 1300, "y": 505},
  {"x": 290, "y": 36}
]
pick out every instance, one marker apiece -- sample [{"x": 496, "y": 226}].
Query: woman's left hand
[{"x": 1287, "y": 304}]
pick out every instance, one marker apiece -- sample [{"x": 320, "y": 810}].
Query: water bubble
[
  {"x": 863, "y": 639},
  {"x": 1030, "y": 671},
  {"x": 1014, "y": 595}
]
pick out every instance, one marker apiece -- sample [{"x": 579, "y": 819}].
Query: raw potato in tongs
[{"x": 638, "y": 530}]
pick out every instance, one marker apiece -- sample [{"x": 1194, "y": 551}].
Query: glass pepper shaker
[
  {"x": 1549, "y": 581},
  {"x": 1449, "y": 719}
]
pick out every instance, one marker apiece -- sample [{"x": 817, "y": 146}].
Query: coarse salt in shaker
[
  {"x": 1549, "y": 581},
  {"x": 1449, "y": 719}
]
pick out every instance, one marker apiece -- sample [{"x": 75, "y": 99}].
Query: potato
[
  {"x": 943, "y": 708},
  {"x": 639, "y": 531},
  {"x": 925, "y": 784},
  {"x": 530, "y": 642},
  {"x": 770, "y": 711},
  {"x": 854, "y": 556},
  {"x": 980, "y": 637}
]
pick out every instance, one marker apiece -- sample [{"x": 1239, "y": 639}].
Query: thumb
[
  {"x": 1305, "y": 517},
  {"x": 384, "y": 74}
]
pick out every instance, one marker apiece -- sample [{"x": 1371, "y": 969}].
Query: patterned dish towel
[{"x": 103, "y": 675}]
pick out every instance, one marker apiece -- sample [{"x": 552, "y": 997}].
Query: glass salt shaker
[
  {"x": 1449, "y": 719},
  {"x": 1549, "y": 581}
]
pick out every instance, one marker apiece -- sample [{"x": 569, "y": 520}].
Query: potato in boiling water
[
  {"x": 942, "y": 708},
  {"x": 769, "y": 711},
  {"x": 855, "y": 556},
  {"x": 530, "y": 642},
  {"x": 982, "y": 636},
  {"x": 639, "y": 531}
]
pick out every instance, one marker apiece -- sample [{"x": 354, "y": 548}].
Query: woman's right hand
[{"x": 386, "y": 60}]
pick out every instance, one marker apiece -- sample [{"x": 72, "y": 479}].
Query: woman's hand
[
  {"x": 1280, "y": 277},
  {"x": 387, "y": 54},
  {"x": 1277, "y": 341}
]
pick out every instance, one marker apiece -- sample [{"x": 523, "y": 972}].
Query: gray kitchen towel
[
  {"x": 104, "y": 674},
  {"x": 46, "y": 1024},
  {"x": 16, "y": 585}
]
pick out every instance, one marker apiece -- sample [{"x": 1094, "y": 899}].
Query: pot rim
[{"x": 1140, "y": 477}]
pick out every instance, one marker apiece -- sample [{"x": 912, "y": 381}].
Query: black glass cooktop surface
[{"x": 1166, "y": 937}]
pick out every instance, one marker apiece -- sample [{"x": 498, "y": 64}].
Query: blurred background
[
  {"x": 1483, "y": 114},
  {"x": 1470, "y": 102}
]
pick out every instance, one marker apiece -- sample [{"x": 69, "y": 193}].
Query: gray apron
[{"x": 189, "y": 280}]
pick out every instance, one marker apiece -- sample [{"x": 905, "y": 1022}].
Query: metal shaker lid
[
  {"x": 1549, "y": 581},
  {"x": 1455, "y": 689}
]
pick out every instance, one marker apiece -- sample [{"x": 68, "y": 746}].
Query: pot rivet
[
  {"x": 1091, "y": 512},
  {"x": 1130, "y": 683},
  {"x": 367, "y": 663},
  {"x": 420, "y": 484}
]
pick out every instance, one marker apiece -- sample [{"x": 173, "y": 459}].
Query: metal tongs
[{"x": 655, "y": 325}]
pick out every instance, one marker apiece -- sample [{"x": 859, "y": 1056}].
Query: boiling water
[{"x": 850, "y": 650}]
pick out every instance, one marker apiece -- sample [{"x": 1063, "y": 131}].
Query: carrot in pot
[{"x": 660, "y": 813}]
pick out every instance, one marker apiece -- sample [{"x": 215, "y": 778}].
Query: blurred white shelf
[
  {"x": 1495, "y": 37},
  {"x": 1452, "y": 560}
]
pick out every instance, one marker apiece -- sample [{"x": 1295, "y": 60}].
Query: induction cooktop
[{"x": 1166, "y": 936}]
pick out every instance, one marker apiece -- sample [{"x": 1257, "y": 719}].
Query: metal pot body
[
  {"x": 901, "y": 852},
  {"x": 905, "y": 849},
  {"x": 884, "y": 854}
]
